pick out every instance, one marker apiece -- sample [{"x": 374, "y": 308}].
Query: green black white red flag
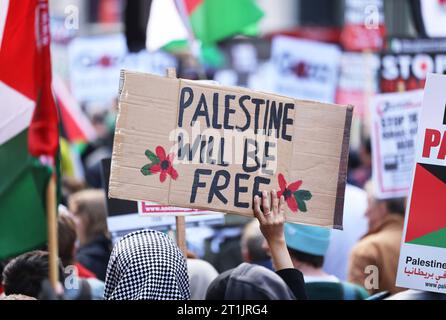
[{"x": 28, "y": 124}]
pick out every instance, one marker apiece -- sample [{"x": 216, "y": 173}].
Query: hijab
[{"x": 146, "y": 265}]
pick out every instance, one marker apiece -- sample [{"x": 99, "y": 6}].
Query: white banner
[
  {"x": 422, "y": 262},
  {"x": 95, "y": 64},
  {"x": 393, "y": 132},
  {"x": 305, "y": 69}
]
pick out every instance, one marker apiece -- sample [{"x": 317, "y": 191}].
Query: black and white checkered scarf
[{"x": 146, "y": 265}]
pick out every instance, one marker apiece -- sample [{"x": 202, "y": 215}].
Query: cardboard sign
[
  {"x": 126, "y": 216},
  {"x": 116, "y": 207},
  {"x": 393, "y": 133},
  {"x": 305, "y": 69},
  {"x": 192, "y": 144},
  {"x": 422, "y": 263}
]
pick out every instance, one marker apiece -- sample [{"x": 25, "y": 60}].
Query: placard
[
  {"x": 193, "y": 144},
  {"x": 305, "y": 69},
  {"x": 422, "y": 263},
  {"x": 393, "y": 135}
]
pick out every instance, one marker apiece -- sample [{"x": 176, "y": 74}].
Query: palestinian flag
[
  {"x": 427, "y": 219},
  {"x": 214, "y": 20},
  {"x": 28, "y": 124},
  {"x": 175, "y": 24}
]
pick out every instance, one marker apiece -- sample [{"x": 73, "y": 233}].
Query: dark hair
[
  {"x": 66, "y": 238},
  {"x": 396, "y": 206},
  {"x": 25, "y": 273},
  {"x": 315, "y": 261}
]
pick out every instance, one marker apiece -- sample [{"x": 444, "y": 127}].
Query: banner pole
[
  {"x": 52, "y": 232},
  {"x": 181, "y": 234},
  {"x": 180, "y": 221}
]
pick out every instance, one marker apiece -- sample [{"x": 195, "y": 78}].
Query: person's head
[
  {"x": 89, "y": 214},
  {"x": 379, "y": 209},
  {"x": 25, "y": 274},
  {"x": 201, "y": 274},
  {"x": 146, "y": 265},
  {"x": 66, "y": 237},
  {"x": 307, "y": 244},
  {"x": 252, "y": 243},
  {"x": 249, "y": 282}
]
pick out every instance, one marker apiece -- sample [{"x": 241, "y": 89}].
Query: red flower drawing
[
  {"x": 288, "y": 192},
  {"x": 164, "y": 166}
]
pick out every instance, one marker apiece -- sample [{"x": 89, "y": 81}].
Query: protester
[
  {"x": 252, "y": 246},
  {"x": 253, "y": 282},
  {"x": 84, "y": 286},
  {"x": 307, "y": 246},
  {"x": 89, "y": 213},
  {"x": 380, "y": 247},
  {"x": 201, "y": 274},
  {"x": 354, "y": 228},
  {"x": 25, "y": 274},
  {"x": 249, "y": 282},
  {"x": 147, "y": 265}
]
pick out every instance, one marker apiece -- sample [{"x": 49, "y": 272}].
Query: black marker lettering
[
  {"x": 197, "y": 184},
  {"x": 287, "y": 121},
  {"x": 239, "y": 189},
  {"x": 216, "y": 188},
  {"x": 184, "y": 103}
]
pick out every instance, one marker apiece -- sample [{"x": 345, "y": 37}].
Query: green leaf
[
  {"x": 301, "y": 196},
  {"x": 304, "y": 194},
  {"x": 152, "y": 157},
  {"x": 301, "y": 204},
  {"x": 146, "y": 169}
]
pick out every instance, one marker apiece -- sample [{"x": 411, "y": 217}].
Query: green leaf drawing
[
  {"x": 152, "y": 157},
  {"x": 304, "y": 194},
  {"x": 301, "y": 197},
  {"x": 146, "y": 169}
]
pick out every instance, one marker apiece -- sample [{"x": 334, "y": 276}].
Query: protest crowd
[{"x": 105, "y": 248}]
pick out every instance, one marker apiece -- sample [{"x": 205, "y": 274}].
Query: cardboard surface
[{"x": 307, "y": 144}]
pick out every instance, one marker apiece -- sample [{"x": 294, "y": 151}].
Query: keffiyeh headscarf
[{"x": 146, "y": 265}]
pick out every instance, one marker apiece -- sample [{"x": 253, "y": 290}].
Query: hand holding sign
[{"x": 271, "y": 216}]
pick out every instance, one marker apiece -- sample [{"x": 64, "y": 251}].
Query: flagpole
[
  {"x": 180, "y": 221},
  {"x": 52, "y": 232}
]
